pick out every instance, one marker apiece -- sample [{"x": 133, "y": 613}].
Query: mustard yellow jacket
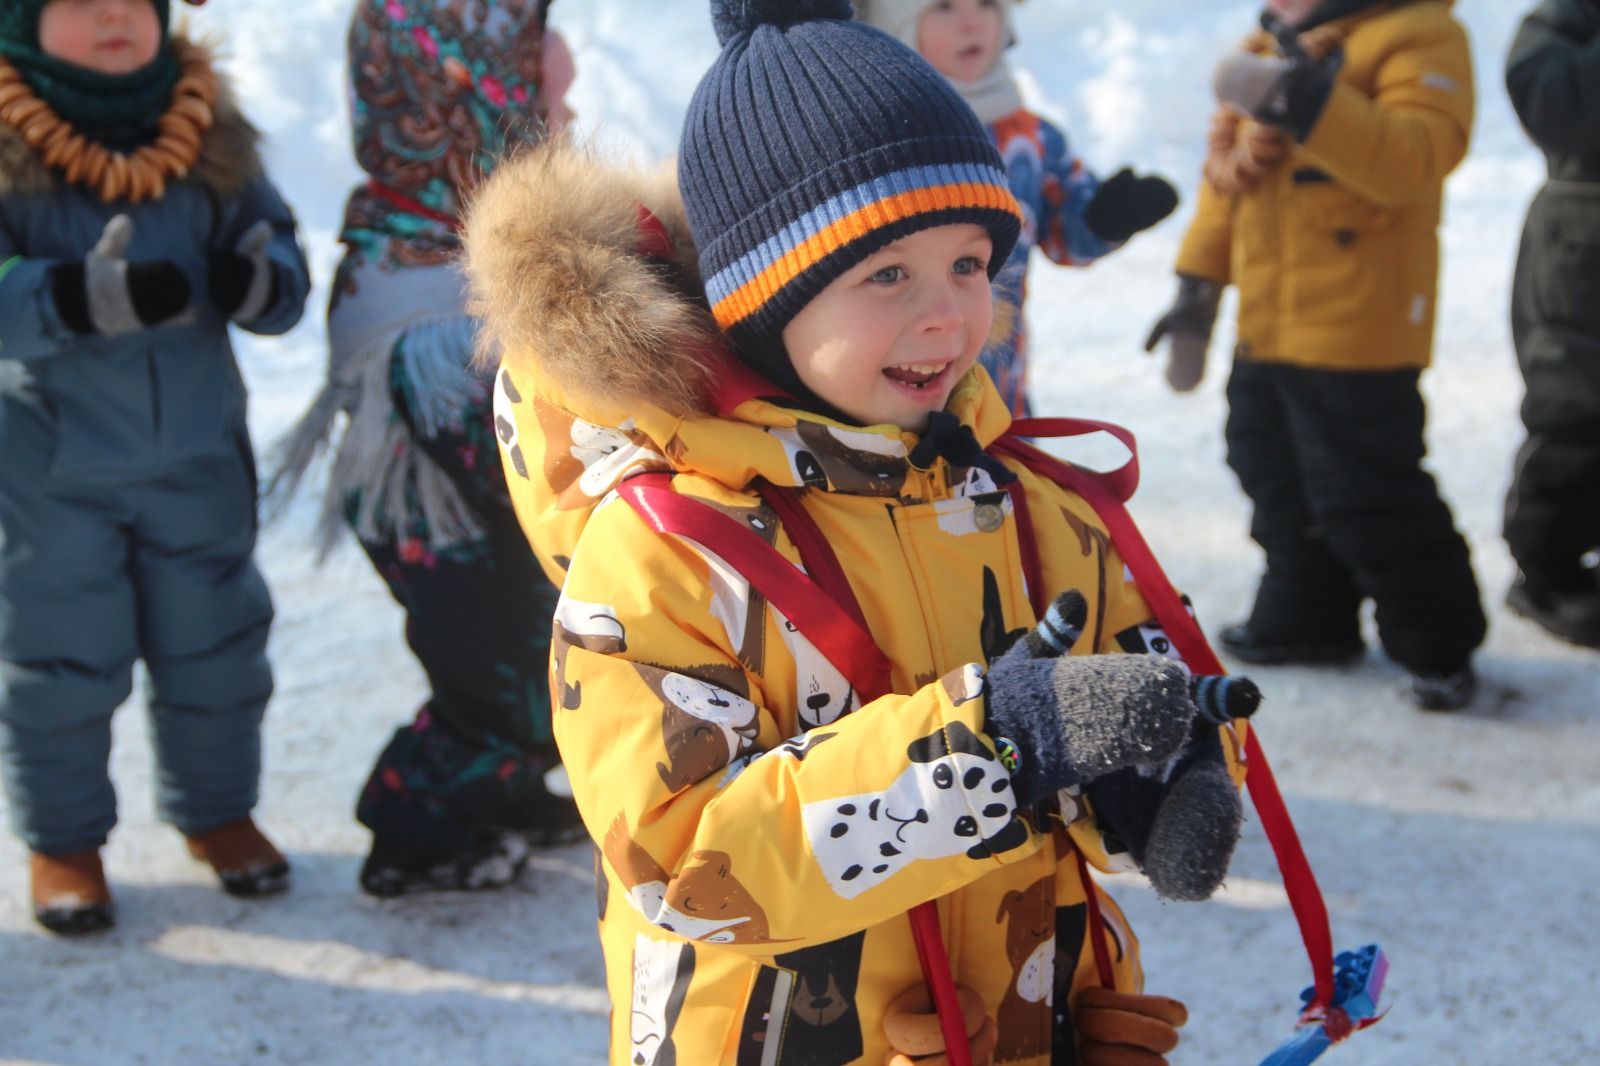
[
  {"x": 762, "y": 833},
  {"x": 1336, "y": 254}
]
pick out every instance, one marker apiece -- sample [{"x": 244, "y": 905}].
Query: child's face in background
[
  {"x": 558, "y": 72},
  {"x": 105, "y": 36},
  {"x": 1293, "y": 12},
  {"x": 962, "y": 39},
  {"x": 887, "y": 341}
]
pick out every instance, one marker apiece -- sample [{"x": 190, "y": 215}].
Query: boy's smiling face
[
  {"x": 106, "y": 36},
  {"x": 962, "y": 38},
  {"x": 887, "y": 341}
]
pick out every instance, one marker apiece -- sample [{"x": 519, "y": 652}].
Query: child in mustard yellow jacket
[
  {"x": 799, "y": 318},
  {"x": 1321, "y": 204}
]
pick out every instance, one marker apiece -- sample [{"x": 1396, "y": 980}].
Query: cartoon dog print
[
  {"x": 707, "y": 720},
  {"x": 506, "y": 396},
  {"x": 581, "y": 624},
  {"x": 734, "y": 602},
  {"x": 1024, "y": 1014},
  {"x": 662, "y": 970},
  {"x": 954, "y": 798},
  {"x": 583, "y": 460},
  {"x": 865, "y": 464},
  {"x": 703, "y": 901},
  {"x": 796, "y": 748},
  {"x": 822, "y": 695}
]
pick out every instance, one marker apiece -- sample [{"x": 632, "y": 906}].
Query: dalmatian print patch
[{"x": 954, "y": 798}]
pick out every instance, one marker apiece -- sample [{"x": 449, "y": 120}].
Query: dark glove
[
  {"x": 1190, "y": 320},
  {"x": 1125, "y": 1029},
  {"x": 1180, "y": 820},
  {"x": 243, "y": 281},
  {"x": 1076, "y": 718},
  {"x": 1123, "y": 205},
  {"x": 104, "y": 293},
  {"x": 1288, "y": 90}
]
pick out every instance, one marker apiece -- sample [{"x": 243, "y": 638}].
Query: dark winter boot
[
  {"x": 1243, "y": 643},
  {"x": 244, "y": 860},
  {"x": 493, "y": 860},
  {"x": 70, "y": 894},
  {"x": 1567, "y": 609},
  {"x": 1444, "y": 690}
]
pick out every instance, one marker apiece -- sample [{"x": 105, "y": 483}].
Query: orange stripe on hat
[{"x": 754, "y": 294}]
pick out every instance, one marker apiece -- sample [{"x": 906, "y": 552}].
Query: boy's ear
[{"x": 1005, "y": 316}]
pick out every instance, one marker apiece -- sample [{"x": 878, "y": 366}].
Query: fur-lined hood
[
  {"x": 611, "y": 364},
  {"x": 566, "y": 296},
  {"x": 230, "y": 157}
]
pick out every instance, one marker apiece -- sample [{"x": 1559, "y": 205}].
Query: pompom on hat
[{"x": 812, "y": 142}]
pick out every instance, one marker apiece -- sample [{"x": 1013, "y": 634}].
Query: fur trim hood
[
  {"x": 567, "y": 296},
  {"x": 230, "y": 157}
]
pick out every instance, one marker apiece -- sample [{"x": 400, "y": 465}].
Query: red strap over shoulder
[
  {"x": 841, "y": 638},
  {"x": 1106, "y": 493}
]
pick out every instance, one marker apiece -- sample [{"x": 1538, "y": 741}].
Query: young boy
[
  {"x": 1067, "y": 212},
  {"x": 800, "y": 319},
  {"x": 1322, "y": 206},
  {"x": 1552, "y": 522},
  {"x": 439, "y": 94},
  {"x": 135, "y": 225}
]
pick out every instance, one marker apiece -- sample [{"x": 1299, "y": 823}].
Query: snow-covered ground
[{"x": 1469, "y": 845}]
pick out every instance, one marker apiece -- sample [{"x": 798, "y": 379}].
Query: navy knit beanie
[{"x": 812, "y": 142}]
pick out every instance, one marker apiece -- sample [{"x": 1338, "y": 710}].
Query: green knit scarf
[{"x": 114, "y": 109}]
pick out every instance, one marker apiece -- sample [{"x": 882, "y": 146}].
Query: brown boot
[
  {"x": 70, "y": 893},
  {"x": 244, "y": 859}
]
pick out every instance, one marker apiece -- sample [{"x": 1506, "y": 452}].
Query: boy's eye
[
  {"x": 888, "y": 275},
  {"x": 970, "y": 264}
]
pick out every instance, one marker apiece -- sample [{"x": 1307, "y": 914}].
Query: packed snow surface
[{"x": 1467, "y": 844}]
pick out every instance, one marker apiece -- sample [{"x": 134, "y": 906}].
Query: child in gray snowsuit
[{"x": 136, "y": 224}]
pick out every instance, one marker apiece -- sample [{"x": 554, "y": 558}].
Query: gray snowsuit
[
  {"x": 1553, "y": 510},
  {"x": 127, "y": 504}
]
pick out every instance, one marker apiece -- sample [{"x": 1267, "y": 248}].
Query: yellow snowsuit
[
  {"x": 762, "y": 833},
  {"x": 1336, "y": 254}
]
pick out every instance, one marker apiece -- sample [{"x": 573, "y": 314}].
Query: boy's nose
[{"x": 941, "y": 312}]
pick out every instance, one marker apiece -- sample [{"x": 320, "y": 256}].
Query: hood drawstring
[{"x": 951, "y": 439}]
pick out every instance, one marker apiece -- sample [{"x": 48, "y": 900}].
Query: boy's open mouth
[{"x": 916, "y": 375}]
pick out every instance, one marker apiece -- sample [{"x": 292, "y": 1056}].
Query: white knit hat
[{"x": 899, "y": 18}]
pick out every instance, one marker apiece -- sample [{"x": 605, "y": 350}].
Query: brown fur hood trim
[
  {"x": 229, "y": 160},
  {"x": 552, "y": 255}
]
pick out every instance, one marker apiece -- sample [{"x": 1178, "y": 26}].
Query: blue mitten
[
  {"x": 1072, "y": 719},
  {"x": 1178, "y": 813}
]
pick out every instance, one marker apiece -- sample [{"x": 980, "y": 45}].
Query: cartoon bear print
[
  {"x": 1024, "y": 1014},
  {"x": 581, "y": 624},
  {"x": 506, "y": 396},
  {"x": 953, "y": 798},
  {"x": 662, "y": 971},
  {"x": 707, "y": 720},
  {"x": 863, "y": 464}
]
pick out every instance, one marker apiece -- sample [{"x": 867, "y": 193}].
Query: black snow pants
[
  {"x": 1552, "y": 516},
  {"x": 1332, "y": 461}
]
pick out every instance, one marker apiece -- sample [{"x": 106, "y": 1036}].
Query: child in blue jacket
[{"x": 136, "y": 224}]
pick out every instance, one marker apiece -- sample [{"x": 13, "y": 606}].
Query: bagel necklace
[{"x": 141, "y": 174}]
